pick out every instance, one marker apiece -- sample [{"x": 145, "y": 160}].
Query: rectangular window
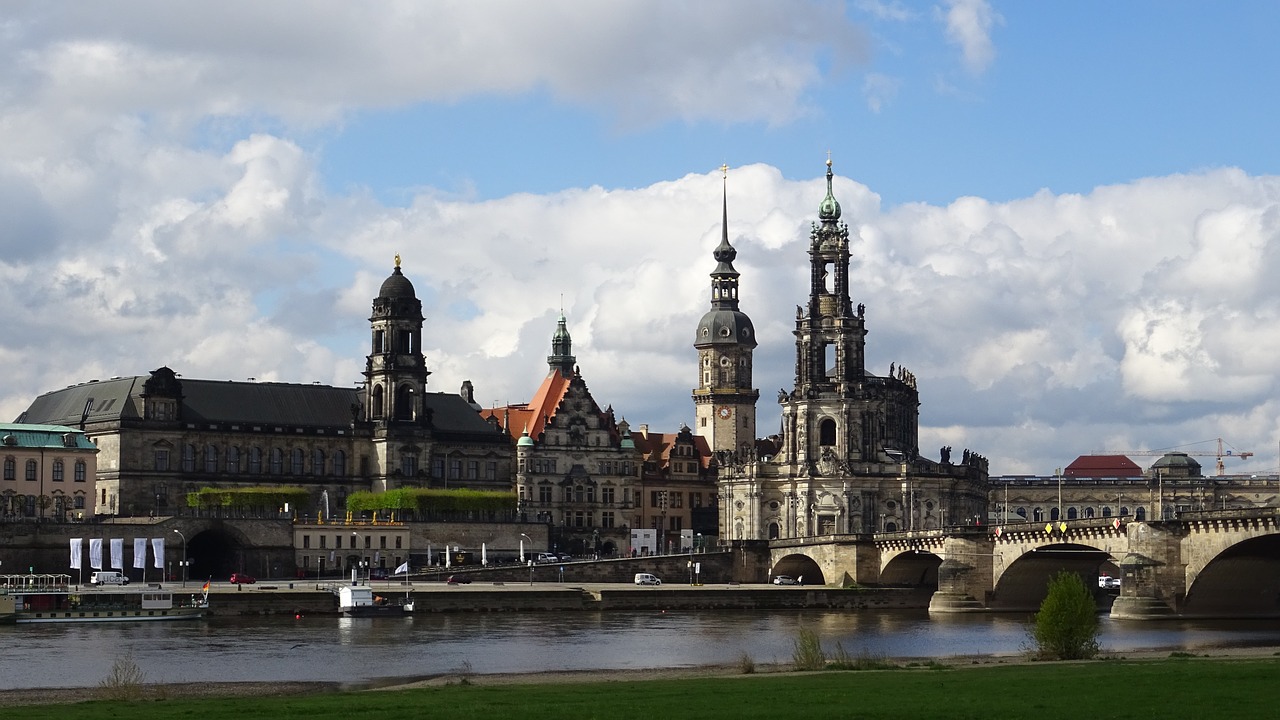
[
  {"x": 399, "y": 540},
  {"x": 162, "y": 461},
  {"x": 473, "y": 470},
  {"x": 455, "y": 469},
  {"x": 306, "y": 542},
  {"x": 674, "y": 523},
  {"x": 491, "y": 471},
  {"x": 544, "y": 493},
  {"x": 677, "y": 499},
  {"x": 695, "y": 499},
  {"x": 10, "y": 469},
  {"x": 653, "y": 498},
  {"x": 324, "y": 540},
  {"x": 606, "y": 495},
  {"x": 57, "y": 471},
  {"x": 437, "y": 468},
  {"x": 382, "y": 542},
  {"x": 606, "y": 519},
  {"x": 337, "y": 542}
]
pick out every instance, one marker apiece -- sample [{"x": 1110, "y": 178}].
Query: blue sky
[{"x": 1067, "y": 215}]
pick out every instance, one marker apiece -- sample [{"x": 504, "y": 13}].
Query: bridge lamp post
[
  {"x": 524, "y": 537},
  {"x": 184, "y": 556}
]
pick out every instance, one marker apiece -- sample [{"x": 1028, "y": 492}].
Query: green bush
[{"x": 1066, "y": 627}]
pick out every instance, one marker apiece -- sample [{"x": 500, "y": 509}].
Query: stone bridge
[{"x": 1204, "y": 564}]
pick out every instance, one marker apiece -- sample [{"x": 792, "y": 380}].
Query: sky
[{"x": 1064, "y": 214}]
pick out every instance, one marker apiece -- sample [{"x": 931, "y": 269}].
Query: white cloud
[{"x": 968, "y": 25}]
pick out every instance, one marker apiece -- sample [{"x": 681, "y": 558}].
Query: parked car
[
  {"x": 458, "y": 580},
  {"x": 378, "y": 574},
  {"x": 784, "y": 580},
  {"x": 242, "y": 579},
  {"x": 547, "y": 558},
  {"x": 647, "y": 579},
  {"x": 1107, "y": 582}
]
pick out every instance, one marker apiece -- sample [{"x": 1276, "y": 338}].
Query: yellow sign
[
  {"x": 1048, "y": 527},
  {"x": 1062, "y": 526}
]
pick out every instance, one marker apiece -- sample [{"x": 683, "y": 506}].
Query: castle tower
[{"x": 724, "y": 401}]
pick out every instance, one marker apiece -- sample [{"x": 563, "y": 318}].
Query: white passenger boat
[
  {"x": 52, "y": 598},
  {"x": 359, "y": 601}
]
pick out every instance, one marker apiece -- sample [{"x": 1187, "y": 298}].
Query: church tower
[
  {"x": 724, "y": 401},
  {"x": 396, "y": 383}
]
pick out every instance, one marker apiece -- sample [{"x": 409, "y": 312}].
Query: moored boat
[
  {"x": 359, "y": 601},
  {"x": 52, "y": 599}
]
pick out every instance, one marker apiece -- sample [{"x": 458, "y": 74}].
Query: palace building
[
  {"x": 848, "y": 459},
  {"x": 161, "y": 436}
]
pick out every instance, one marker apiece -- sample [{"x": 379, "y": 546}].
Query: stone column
[{"x": 1152, "y": 578}]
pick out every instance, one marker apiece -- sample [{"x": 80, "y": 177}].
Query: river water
[{"x": 360, "y": 649}]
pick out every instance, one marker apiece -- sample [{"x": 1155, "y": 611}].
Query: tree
[{"x": 1066, "y": 628}]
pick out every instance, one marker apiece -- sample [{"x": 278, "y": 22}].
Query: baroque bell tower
[
  {"x": 395, "y": 383},
  {"x": 724, "y": 401}
]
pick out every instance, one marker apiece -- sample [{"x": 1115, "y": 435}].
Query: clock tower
[{"x": 724, "y": 401}]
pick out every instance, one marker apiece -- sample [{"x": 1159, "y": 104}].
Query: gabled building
[
  {"x": 678, "y": 496},
  {"x": 162, "y": 436},
  {"x": 577, "y": 468}
]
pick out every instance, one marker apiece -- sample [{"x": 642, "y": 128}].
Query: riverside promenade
[{"x": 310, "y": 597}]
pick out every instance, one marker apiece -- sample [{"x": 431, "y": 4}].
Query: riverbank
[{"x": 227, "y": 690}]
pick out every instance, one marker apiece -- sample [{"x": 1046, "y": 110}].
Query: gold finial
[
  {"x": 828, "y": 158},
  {"x": 724, "y": 169},
  {"x": 397, "y": 261}
]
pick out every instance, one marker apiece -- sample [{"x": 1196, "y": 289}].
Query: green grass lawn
[{"x": 1191, "y": 688}]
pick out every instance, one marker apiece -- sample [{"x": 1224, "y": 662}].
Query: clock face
[{"x": 725, "y": 411}]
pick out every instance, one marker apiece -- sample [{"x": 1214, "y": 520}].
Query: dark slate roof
[
  {"x": 209, "y": 402},
  {"x": 452, "y": 413},
  {"x": 111, "y": 401}
]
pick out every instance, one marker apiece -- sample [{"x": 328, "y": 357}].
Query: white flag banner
[
  {"x": 76, "y": 545},
  {"x": 402, "y": 568},
  {"x": 140, "y": 552},
  {"x": 117, "y": 553},
  {"x": 95, "y": 553},
  {"x": 157, "y": 550}
]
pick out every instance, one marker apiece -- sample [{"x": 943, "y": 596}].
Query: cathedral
[{"x": 847, "y": 460}]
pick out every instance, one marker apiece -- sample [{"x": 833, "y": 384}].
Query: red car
[{"x": 242, "y": 579}]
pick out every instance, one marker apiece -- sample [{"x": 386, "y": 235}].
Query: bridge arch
[
  {"x": 1243, "y": 580},
  {"x": 914, "y": 568},
  {"x": 799, "y": 566},
  {"x": 1024, "y": 581}
]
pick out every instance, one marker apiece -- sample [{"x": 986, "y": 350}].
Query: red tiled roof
[
  {"x": 1112, "y": 466},
  {"x": 533, "y": 415}
]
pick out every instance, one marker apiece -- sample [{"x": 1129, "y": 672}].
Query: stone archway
[{"x": 802, "y": 567}]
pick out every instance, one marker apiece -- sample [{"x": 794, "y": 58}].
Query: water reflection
[{"x": 357, "y": 649}]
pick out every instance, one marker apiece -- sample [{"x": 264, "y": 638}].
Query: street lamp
[
  {"x": 524, "y": 537},
  {"x": 184, "y": 556}
]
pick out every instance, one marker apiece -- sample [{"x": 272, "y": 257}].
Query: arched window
[
  {"x": 339, "y": 463},
  {"x": 295, "y": 461},
  {"x": 1140, "y": 514},
  {"x": 211, "y": 458},
  {"x": 31, "y": 469},
  {"x": 317, "y": 462},
  {"x": 10, "y": 469},
  {"x": 404, "y": 402},
  {"x": 1053, "y": 514},
  {"x": 233, "y": 459},
  {"x": 255, "y": 461},
  {"x": 277, "y": 461},
  {"x": 1106, "y": 511},
  {"x": 1037, "y": 515},
  {"x": 188, "y": 458},
  {"x": 1021, "y": 512},
  {"x": 57, "y": 470},
  {"x": 377, "y": 402},
  {"x": 827, "y": 433},
  {"x": 81, "y": 470},
  {"x": 1089, "y": 512},
  {"x": 1071, "y": 513},
  {"x": 774, "y": 531}
]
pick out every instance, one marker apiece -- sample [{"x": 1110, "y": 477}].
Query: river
[{"x": 359, "y": 649}]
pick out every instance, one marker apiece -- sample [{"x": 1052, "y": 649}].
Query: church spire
[{"x": 724, "y": 279}]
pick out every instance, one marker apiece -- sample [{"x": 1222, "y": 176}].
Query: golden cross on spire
[
  {"x": 724, "y": 169},
  {"x": 828, "y": 158}
]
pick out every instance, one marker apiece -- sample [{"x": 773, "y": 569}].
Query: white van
[
  {"x": 647, "y": 579},
  {"x": 547, "y": 558},
  {"x": 108, "y": 577}
]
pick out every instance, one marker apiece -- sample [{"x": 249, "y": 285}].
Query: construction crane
[{"x": 1220, "y": 454}]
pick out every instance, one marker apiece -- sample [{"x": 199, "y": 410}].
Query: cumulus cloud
[{"x": 1038, "y": 328}]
